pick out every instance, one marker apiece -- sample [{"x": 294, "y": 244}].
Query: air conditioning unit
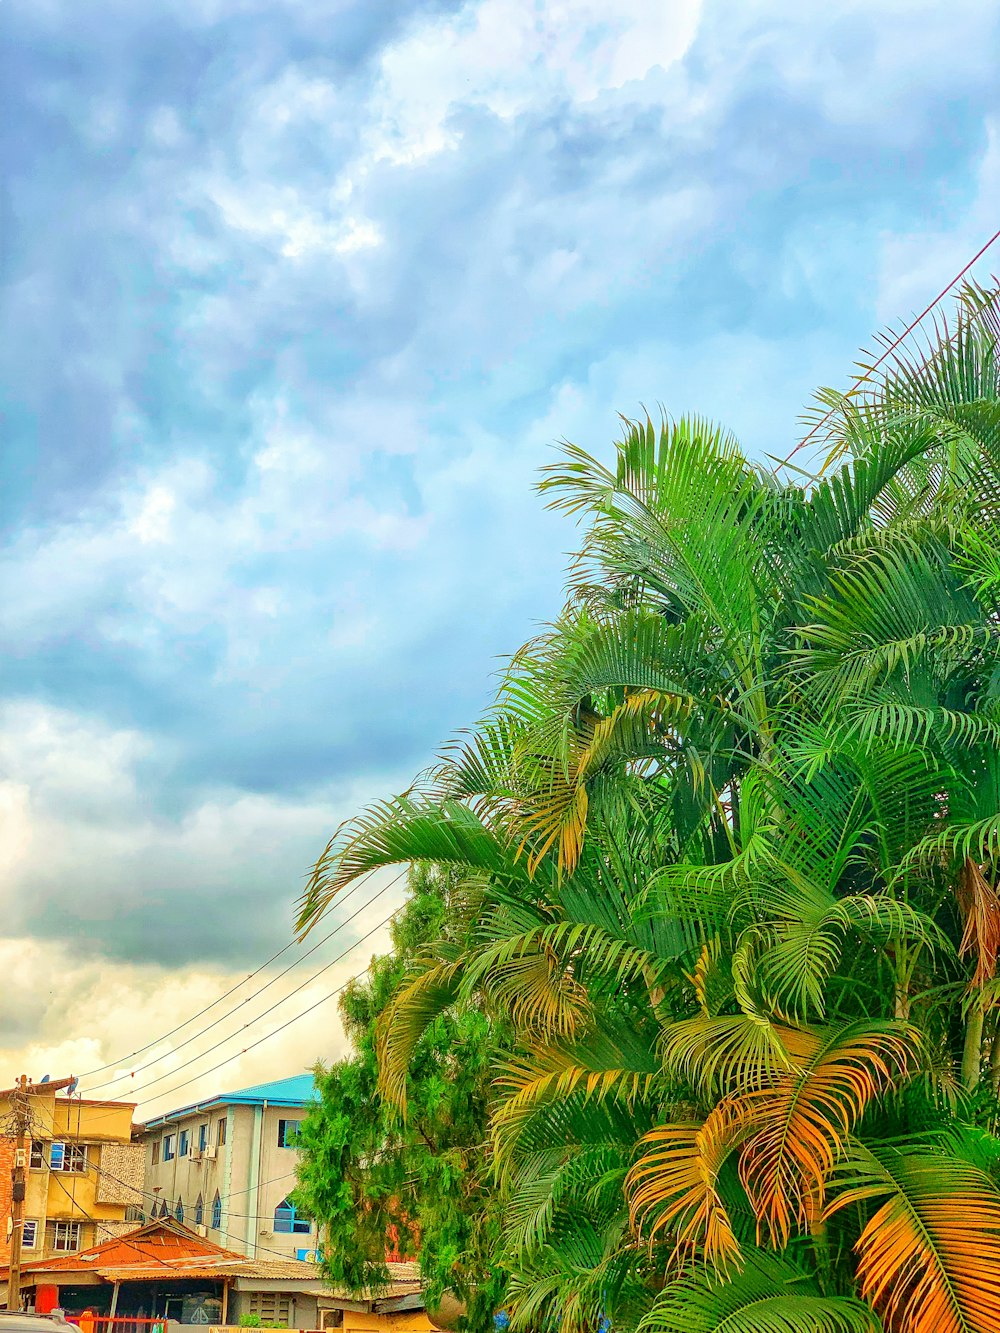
[
  {"x": 265, "y": 1231},
  {"x": 195, "y": 1154},
  {"x": 201, "y": 1230},
  {"x": 208, "y": 1152}
]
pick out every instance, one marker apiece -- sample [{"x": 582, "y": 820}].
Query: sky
[{"x": 296, "y": 297}]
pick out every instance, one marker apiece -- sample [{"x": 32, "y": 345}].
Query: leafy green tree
[
  {"x": 376, "y": 1181},
  {"x": 730, "y": 846}
]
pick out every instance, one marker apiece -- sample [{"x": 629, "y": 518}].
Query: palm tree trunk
[{"x": 972, "y": 1056}]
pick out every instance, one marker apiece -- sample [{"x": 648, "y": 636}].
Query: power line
[
  {"x": 268, "y": 1035},
  {"x": 893, "y": 345},
  {"x": 107, "y": 1083},
  {"x": 222, "y": 1231},
  {"x": 96, "y": 1221},
  {"x": 225, "y": 995},
  {"x": 165, "y": 1199},
  {"x": 284, "y": 999}
]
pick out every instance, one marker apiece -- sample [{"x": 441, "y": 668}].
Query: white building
[{"x": 226, "y": 1166}]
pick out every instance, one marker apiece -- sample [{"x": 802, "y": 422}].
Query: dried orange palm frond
[
  {"x": 800, "y": 1122},
  {"x": 674, "y": 1187},
  {"x": 929, "y": 1257},
  {"x": 980, "y": 907}
]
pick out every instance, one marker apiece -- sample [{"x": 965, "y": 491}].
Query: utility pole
[
  {"x": 20, "y": 1125},
  {"x": 20, "y": 1113}
]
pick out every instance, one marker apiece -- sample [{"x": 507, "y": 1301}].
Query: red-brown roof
[{"x": 147, "y": 1251}]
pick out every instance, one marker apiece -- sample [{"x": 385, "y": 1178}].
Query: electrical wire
[
  {"x": 155, "y": 1198},
  {"x": 893, "y": 345},
  {"x": 96, "y": 1221},
  {"x": 230, "y": 1235},
  {"x": 107, "y": 1083},
  {"x": 130, "y": 1092},
  {"x": 268, "y": 1035}
]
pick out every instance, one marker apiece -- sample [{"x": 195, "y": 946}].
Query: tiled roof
[
  {"x": 297, "y": 1091},
  {"x": 166, "y": 1249}
]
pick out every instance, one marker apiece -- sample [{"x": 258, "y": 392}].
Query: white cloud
[{"x": 507, "y": 55}]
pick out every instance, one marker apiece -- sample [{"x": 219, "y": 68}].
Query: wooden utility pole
[
  {"x": 20, "y": 1111},
  {"x": 19, "y": 1126}
]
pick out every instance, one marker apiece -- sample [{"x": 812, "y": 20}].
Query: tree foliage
[
  {"x": 378, "y": 1181},
  {"x": 726, "y": 855}
]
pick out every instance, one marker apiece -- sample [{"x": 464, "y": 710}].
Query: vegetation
[
  {"x": 378, "y": 1180},
  {"x": 725, "y": 854}
]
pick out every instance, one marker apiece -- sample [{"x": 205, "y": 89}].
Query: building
[
  {"x": 226, "y": 1166},
  {"x": 84, "y": 1172},
  {"x": 167, "y": 1271}
]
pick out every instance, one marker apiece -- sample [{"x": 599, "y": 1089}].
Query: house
[
  {"x": 226, "y": 1166},
  {"x": 166, "y": 1270},
  {"x": 84, "y": 1172}
]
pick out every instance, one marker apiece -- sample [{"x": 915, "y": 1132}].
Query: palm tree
[{"x": 728, "y": 846}]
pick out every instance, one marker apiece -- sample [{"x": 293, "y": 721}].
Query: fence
[{"x": 119, "y": 1323}]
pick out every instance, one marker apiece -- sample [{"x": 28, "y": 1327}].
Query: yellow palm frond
[
  {"x": 929, "y": 1256},
  {"x": 802, "y": 1120},
  {"x": 674, "y": 1186}
]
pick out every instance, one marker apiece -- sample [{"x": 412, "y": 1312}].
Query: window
[
  {"x": 199, "y": 1211},
  {"x": 220, "y": 1132},
  {"x": 179, "y": 1210},
  {"x": 37, "y": 1159},
  {"x": 216, "y": 1211},
  {"x": 29, "y": 1234},
  {"x": 134, "y": 1213},
  {"x": 156, "y": 1152},
  {"x": 271, "y": 1307},
  {"x": 203, "y": 1136},
  {"x": 65, "y": 1236},
  {"x": 182, "y": 1144},
  {"x": 163, "y": 1208},
  {"x": 288, "y": 1218},
  {"x": 68, "y": 1157},
  {"x": 288, "y": 1133},
  {"x": 168, "y": 1148}
]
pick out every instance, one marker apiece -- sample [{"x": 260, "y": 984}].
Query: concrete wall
[
  {"x": 303, "y": 1309},
  {"x": 252, "y": 1174}
]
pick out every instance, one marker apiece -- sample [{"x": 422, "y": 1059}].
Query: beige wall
[{"x": 251, "y": 1173}]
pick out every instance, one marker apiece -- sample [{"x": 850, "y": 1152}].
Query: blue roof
[{"x": 297, "y": 1091}]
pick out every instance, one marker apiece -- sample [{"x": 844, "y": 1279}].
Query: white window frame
[
  {"x": 73, "y": 1157},
  {"x": 63, "y": 1232},
  {"x": 29, "y": 1228}
]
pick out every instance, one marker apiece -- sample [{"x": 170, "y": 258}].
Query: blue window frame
[
  {"x": 288, "y": 1133},
  {"x": 216, "y": 1211},
  {"x": 182, "y": 1144},
  {"x": 168, "y": 1148},
  {"x": 179, "y": 1210},
  {"x": 199, "y": 1211},
  {"x": 287, "y": 1218},
  {"x": 203, "y": 1136},
  {"x": 68, "y": 1157}
]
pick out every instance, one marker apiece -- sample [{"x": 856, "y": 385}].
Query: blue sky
[{"x": 297, "y": 296}]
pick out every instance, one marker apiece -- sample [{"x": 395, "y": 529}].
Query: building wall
[
  {"x": 416, "y": 1321},
  {"x": 302, "y": 1308},
  {"x": 251, "y": 1172},
  {"x": 6, "y": 1193},
  {"x": 103, "y": 1130}
]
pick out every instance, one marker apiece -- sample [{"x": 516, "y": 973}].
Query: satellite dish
[
  {"x": 45, "y": 1078},
  {"x": 72, "y": 1087}
]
